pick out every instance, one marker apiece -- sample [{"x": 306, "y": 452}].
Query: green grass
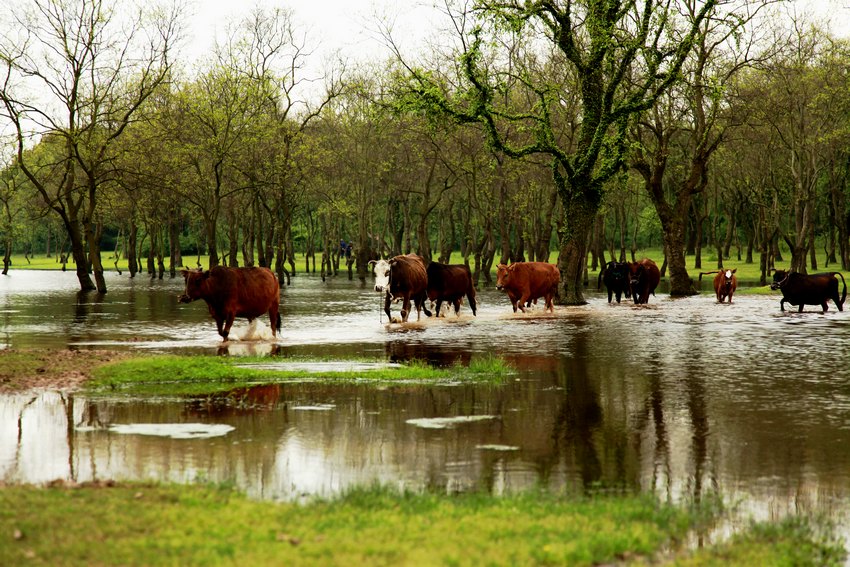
[
  {"x": 207, "y": 525},
  {"x": 746, "y": 272},
  {"x": 171, "y": 374}
]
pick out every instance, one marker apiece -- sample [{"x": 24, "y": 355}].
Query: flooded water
[{"x": 681, "y": 398}]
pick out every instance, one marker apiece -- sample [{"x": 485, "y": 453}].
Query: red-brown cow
[
  {"x": 644, "y": 277},
  {"x": 526, "y": 281},
  {"x": 234, "y": 292},
  {"x": 725, "y": 283},
  {"x": 450, "y": 283},
  {"x": 403, "y": 278}
]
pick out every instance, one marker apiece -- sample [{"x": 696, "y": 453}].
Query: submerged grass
[
  {"x": 209, "y": 374},
  {"x": 204, "y": 525}
]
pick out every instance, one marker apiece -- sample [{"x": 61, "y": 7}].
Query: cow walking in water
[
  {"x": 524, "y": 282},
  {"x": 725, "y": 283},
  {"x": 450, "y": 283},
  {"x": 615, "y": 276},
  {"x": 234, "y": 292},
  {"x": 644, "y": 277},
  {"x": 402, "y": 278},
  {"x": 817, "y": 289}
]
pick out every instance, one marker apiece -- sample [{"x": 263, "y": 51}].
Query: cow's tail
[
  {"x": 278, "y": 322},
  {"x": 701, "y": 274},
  {"x": 843, "y": 293}
]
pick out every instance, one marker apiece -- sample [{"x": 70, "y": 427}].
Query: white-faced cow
[
  {"x": 725, "y": 283},
  {"x": 450, "y": 283},
  {"x": 800, "y": 289},
  {"x": 402, "y": 278},
  {"x": 234, "y": 292},
  {"x": 526, "y": 281}
]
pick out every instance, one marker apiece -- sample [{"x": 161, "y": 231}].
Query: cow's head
[
  {"x": 636, "y": 270},
  {"x": 618, "y": 271},
  {"x": 503, "y": 276},
  {"x": 382, "y": 274},
  {"x": 194, "y": 281},
  {"x": 779, "y": 279},
  {"x": 729, "y": 278}
]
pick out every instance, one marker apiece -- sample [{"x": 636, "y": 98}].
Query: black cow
[
  {"x": 800, "y": 289},
  {"x": 615, "y": 276},
  {"x": 644, "y": 277},
  {"x": 450, "y": 283}
]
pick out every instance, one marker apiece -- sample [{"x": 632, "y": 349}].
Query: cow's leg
[
  {"x": 800, "y": 309},
  {"x": 227, "y": 324},
  {"x": 405, "y": 309},
  {"x": 438, "y": 307},
  {"x": 420, "y": 304},
  {"x": 471, "y": 298},
  {"x": 824, "y": 306},
  {"x": 387, "y": 302},
  {"x": 523, "y": 301},
  {"x": 611, "y": 293},
  {"x": 274, "y": 318},
  {"x": 782, "y": 304},
  {"x": 219, "y": 326}
]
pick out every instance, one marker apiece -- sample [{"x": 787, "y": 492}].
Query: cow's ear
[{"x": 735, "y": 270}]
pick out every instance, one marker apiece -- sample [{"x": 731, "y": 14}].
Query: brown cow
[
  {"x": 725, "y": 283},
  {"x": 234, "y": 292},
  {"x": 644, "y": 277},
  {"x": 450, "y": 283},
  {"x": 526, "y": 281},
  {"x": 402, "y": 277}
]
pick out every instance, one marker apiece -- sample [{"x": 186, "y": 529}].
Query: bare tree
[{"x": 74, "y": 74}]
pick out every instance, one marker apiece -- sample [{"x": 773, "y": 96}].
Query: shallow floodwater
[{"x": 681, "y": 398}]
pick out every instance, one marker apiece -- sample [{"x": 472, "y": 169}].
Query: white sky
[
  {"x": 330, "y": 25},
  {"x": 350, "y": 24}
]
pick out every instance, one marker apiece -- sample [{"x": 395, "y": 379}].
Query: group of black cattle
[
  {"x": 630, "y": 279},
  {"x": 639, "y": 279}
]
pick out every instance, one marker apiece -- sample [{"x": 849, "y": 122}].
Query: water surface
[{"x": 680, "y": 398}]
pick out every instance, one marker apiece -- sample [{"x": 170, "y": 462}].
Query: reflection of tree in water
[
  {"x": 653, "y": 415},
  {"x": 578, "y": 418},
  {"x": 699, "y": 433}
]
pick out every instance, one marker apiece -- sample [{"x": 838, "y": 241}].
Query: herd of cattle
[
  {"x": 410, "y": 278},
  {"x": 252, "y": 292}
]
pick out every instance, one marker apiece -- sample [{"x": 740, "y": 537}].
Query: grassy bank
[
  {"x": 159, "y": 375},
  {"x": 198, "y": 525},
  {"x": 745, "y": 273}
]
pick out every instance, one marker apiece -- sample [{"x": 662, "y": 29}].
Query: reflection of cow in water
[
  {"x": 450, "y": 283},
  {"x": 725, "y": 283},
  {"x": 644, "y": 277},
  {"x": 615, "y": 276},
  {"x": 402, "y": 278},
  {"x": 234, "y": 292},
  {"x": 527, "y": 281}
]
